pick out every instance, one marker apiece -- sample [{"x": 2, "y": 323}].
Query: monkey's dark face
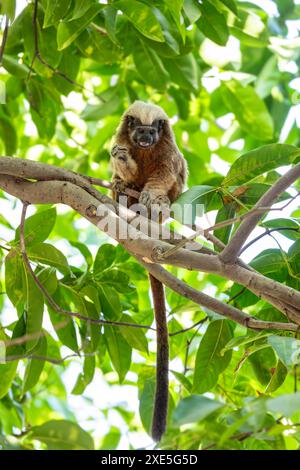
[{"x": 144, "y": 136}]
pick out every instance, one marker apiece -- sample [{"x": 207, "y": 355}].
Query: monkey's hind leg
[{"x": 160, "y": 412}]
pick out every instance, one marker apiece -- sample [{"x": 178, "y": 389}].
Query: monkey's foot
[
  {"x": 148, "y": 199},
  {"x": 158, "y": 206},
  {"x": 120, "y": 153},
  {"x": 162, "y": 201}
]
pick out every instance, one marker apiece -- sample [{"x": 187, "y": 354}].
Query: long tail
[{"x": 159, "y": 420}]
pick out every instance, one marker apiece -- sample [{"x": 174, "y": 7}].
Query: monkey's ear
[
  {"x": 161, "y": 124},
  {"x": 130, "y": 120}
]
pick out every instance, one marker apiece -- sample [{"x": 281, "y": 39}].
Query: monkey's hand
[
  {"x": 120, "y": 153},
  {"x": 125, "y": 166}
]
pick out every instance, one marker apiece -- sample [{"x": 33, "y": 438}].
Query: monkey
[{"x": 145, "y": 158}]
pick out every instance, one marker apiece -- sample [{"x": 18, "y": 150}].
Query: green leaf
[
  {"x": 209, "y": 361},
  {"x": 99, "y": 47},
  {"x": 247, "y": 39},
  {"x": 62, "y": 435},
  {"x": 254, "y": 191},
  {"x": 50, "y": 256},
  {"x": 83, "y": 250},
  {"x": 8, "y": 135},
  {"x": 259, "y": 161},
  {"x": 183, "y": 380},
  {"x": 250, "y": 110},
  {"x": 47, "y": 277},
  {"x": 42, "y": 109},
  {"x": 175, "y": 7},
  {"x": 263, "y": 361},
  {"x": 225, "y": 213},
  {"x": 150, "y": 66},
  {"x": 7, "y": 371},
  {"x": 8, "y": 7},
  {"x": 34, "y": 306},
  {"x": 243, "y": 340},
  {"x": 18, "y": 332},
  {"x": 34, "y": 367},
  {"x": 194, "y": 408},
  {"x": 46, "y": 42},
  {"x": 80, "y": 8},
  {"x": 278, "y": 378},
  {"x": 14, "y": 67},
  {"x": 281, "y": 223},
  {"x": 64, "y": 326},
  {"x": 142, "y": 18},
  {"x": 94, "y": 112},
  {"x": 231, "y": 5},
  {"x": 104, "y": 258},
  {"x": 294, "y": 256},
  {"x": 117, "y": 279},
  {"x": 135, "y": 337},
  {"x": 192, "y": 10},
  {"x": 14, "y": 278},
  {"x": 37, "y": 227},
  {"x": 287, "y": 405},
  {"x": 110, "y": 302},
  {"x": 55, "y": 11},
  {"x": 146, "y": 404},
  {"x": 68, "y": 31},
  {"x": 69, "y": 66},
  {"x": 183, "y": 71},
  {"x": 287, "y": 349},
  {"x": 112, "y": 439},
  {"x": 194, "y": 202},
  {"x": 213, "y": 24},
  {"x": 86, "y": 377},
  {"x": 110, "y": 16},
  {"x": 271, "y": 263},
  {"x": 118, "y": 350}
]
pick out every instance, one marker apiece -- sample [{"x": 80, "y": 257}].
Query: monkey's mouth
[{"x": 144, "y": 143}]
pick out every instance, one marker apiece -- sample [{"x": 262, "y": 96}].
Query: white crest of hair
[{"x": 146, "y": 112}]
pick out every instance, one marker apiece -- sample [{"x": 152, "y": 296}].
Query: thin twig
[
  {"x": 268, "y": 231},
  {"x": 200, "y": 322},
  {"x": 233, "y": 249},
  {"x": 225, "y": 223},
  {"x": 37, "y": 55},
  {"x": 45, "y": 358}
]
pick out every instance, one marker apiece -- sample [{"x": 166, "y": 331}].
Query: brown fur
[
  {"x": 160, "y": 170},
  {"x": 159, "y": 174}
]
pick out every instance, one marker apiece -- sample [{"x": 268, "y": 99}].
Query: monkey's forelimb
[{"x": 160, "y": 411}]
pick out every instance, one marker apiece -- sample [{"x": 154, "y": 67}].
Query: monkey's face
[{"x": 144, "y": 136}]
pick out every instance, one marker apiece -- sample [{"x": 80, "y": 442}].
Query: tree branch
[
  {"x": 79, "y": 197},
  {"x": 213, "y": 304},
  {"x": 233, "y": 249}
]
